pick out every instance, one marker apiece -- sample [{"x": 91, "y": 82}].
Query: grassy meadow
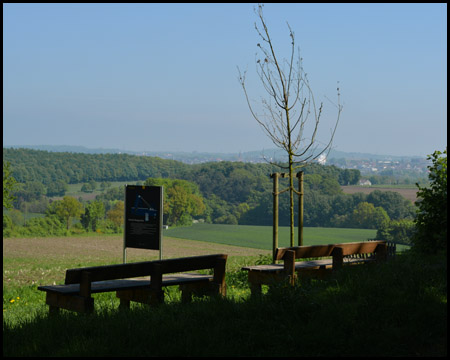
[
  {"x": 394, "y": 309},
  {"x": 260, "y": 237}
]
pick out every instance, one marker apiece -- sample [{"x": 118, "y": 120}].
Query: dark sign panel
[{"x": 143, "y": 217}]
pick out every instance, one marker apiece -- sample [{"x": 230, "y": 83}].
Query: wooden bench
[
  {"x": 325, "y": 259},
  {"x": 80, "y": 283}
]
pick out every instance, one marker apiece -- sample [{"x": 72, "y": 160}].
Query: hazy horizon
[
  {"x": 267, "y": 151},
  {"x": 163, "y": 77}
]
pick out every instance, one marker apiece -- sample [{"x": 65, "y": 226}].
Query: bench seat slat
[
  {"x": 298, "y": 265},
  {"x": 113, "y": 285}
]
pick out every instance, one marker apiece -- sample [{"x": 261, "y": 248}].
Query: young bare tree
[{"x": 289, "y": 107}]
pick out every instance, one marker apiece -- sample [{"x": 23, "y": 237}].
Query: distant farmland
[{"x": 407, "y": 193}]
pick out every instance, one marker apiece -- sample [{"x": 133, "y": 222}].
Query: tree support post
[
  {"x": 275, "y": 176},
  {"x": 300, "y": 208}
]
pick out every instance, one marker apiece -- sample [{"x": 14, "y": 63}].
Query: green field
[{"x": 260, "y": 237}]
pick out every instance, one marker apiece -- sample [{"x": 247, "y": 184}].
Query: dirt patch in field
[
  {"x": 43, "y": 261},
  {"x": 111, "y": 247},
  {"x": 410, "y": 194}
]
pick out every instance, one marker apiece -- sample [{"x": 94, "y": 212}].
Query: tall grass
[{"x": 394, "y": 309}]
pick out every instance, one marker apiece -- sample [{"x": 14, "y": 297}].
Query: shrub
[
  {"x": 431, "y": 221},
  {"x": 398, "y": 231},
  {"x": 49, "y": 225}
]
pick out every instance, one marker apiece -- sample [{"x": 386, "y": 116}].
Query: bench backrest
[
  {"x": 314, "y": 251},
  {"x": 302, "y": 252},
  {"x": 366, "y": 247},
  {"x": 148, "y": 268}
]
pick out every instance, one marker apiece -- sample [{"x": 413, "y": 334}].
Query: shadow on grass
[{"x": 393, "y": 309}]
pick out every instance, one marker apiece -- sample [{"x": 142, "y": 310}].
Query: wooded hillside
[{"x": 233, "y": 192}]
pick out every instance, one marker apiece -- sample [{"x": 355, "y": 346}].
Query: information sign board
[{"x": 143, "y": 217}]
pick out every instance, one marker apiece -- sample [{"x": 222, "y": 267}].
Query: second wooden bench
[{"x": 325, "y": 259}]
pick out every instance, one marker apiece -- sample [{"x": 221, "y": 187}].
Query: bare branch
[{"x": 290, "y": 105}]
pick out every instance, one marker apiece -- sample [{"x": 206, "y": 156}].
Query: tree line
[
  {"x": 74, "y": 168},
  {"x": 182, "y": 201},
  {"x": 217, "y": 192},
  {"x": 47, "y": 168}
]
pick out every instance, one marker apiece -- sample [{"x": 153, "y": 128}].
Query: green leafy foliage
[
  {"x": 75, "y": 168},
  {"x": 431, "y": 221},
  {"x": 182, "y": 200},
  {"x": 44, "y": 226},
  {"x": 396, "y": 206},
  {"x": 57, "y": 188},
  {"x": 367, "y": 216},
  {"x": 397, "y": 231},
  {"x": 66, "y": 209},
  {"x": 9, "y": 182},
  {"x": 93, "y": 213},
  {"x": 116, "y": 214},
  {"x": 349, "y": 177}
]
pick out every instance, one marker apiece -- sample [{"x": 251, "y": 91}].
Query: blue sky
[{"x": 163, "y": 77}]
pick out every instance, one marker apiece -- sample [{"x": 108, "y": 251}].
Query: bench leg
[
  {"x": 201, "y": 289},
  {"x": 145, "y": 296},
  {"x": 256, "y": 279},
  {"x": 188, "y": 290},
  {"x": 53, "y": 310},
  {"x": 124, "y": 304},
  {"x": 186, "y": 295},
  {"x": 255, "y": 289},
  {"x": 69, "y": 302},
  {"x": 292, "y": 279}
]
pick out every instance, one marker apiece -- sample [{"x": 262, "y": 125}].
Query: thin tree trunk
[
  {"x": 291, "y": 198},
  {"x": 291, "y": 163}
]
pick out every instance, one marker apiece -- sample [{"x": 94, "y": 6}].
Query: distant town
[
  {"x": 387, "y": 166},
  {"x": 367, "y": 164}
]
